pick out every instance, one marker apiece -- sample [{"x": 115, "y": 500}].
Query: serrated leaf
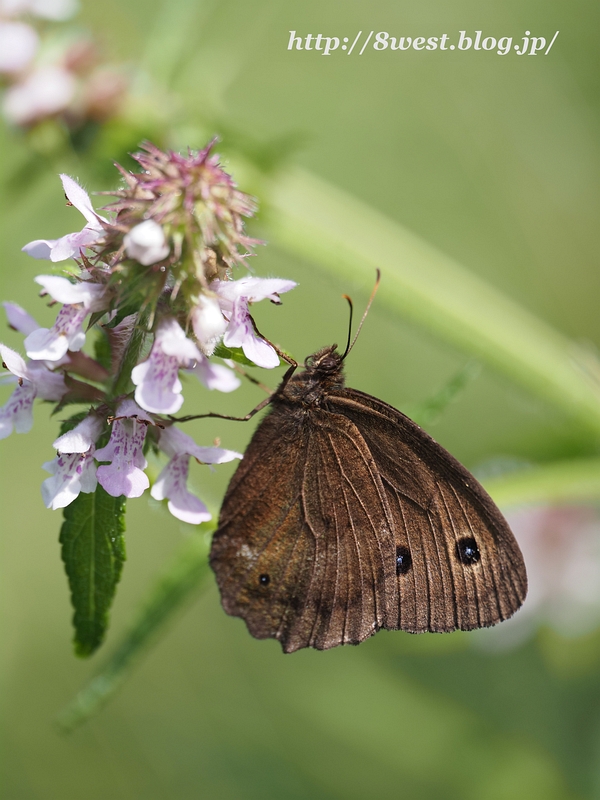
[{"x": 93, "y": 551}]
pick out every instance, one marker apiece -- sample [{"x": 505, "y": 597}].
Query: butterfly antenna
[{"x": 351, "y": 344}]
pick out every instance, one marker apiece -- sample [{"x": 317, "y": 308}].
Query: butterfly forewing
[{"x": 297, "y": 553}]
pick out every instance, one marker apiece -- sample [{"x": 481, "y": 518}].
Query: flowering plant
[{"x": 154, "y": 277}]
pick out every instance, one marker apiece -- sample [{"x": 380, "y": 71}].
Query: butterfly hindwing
[{"x": 466, "y": 569}]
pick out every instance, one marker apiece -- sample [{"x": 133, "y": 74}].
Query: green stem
[
  {"x": 313, "y": 219},
  {"x": 573, "y": 481},
  {"x": 185, "y": 574}
]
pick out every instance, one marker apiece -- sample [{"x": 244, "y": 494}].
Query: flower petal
[
  {"x": 19, "y": 319},
  {"x": 146, "y": 243},
  {"x": 79, "y": 198},
  {"x": 215, "y": 376},
  {"x": 62, "y": 290},
  {"x": 17, "y": 413},
  {"x": 71, "y": 474},
  {"x": 171, "y": 484},
  {"x": 83, "y": 436}
]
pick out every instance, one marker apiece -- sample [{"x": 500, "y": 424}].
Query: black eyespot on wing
[
  {"x": 264, "y": 579},
  {"x": 403, "y": 560},
  {"x": 467, "y": 551}
]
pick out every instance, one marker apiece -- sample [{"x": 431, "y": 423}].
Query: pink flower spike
[
  {"x": 71, "y": 245},
  {"x": 158, "y": 385},
  {"x": 71, "y": 473},
  {"x": 19, "y": 319},
  {"x": 171, "y": 485},
  {"x": 125, "y": 475},
  {"x": 215, "y": 376}
]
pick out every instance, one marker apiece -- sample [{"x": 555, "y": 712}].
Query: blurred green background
[{"x": 493, "y": 160}]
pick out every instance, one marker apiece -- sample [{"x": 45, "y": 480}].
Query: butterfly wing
[
  {"x": 459, "y": 566},
  {"x": 300, "y": 554}
]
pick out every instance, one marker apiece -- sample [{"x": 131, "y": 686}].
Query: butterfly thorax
[{"x": 322, "y": 374}]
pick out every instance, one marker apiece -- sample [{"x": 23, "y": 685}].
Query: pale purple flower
[
  {"x": 234, "y": 297},
  {"x": 157, "y": 381},
  {"x": 19, "y": 319},
  {"x": 71, "y": 473},
  {"x": 18, "y": 45},
  {"x": 71, "y": 245},
  {"x": 171, "y": 483},
  {"x": 73, "y": 470},
  {"x": 34, "y": 380},
  {"x": 125, "y": 474},
  {"x": 215, "y": 376},
  {"x": 208, "y": 322},
  {"x": 146, "y": 243},
  {"x": 41, "y": 94},
  {"x": 51, "y": 344}
]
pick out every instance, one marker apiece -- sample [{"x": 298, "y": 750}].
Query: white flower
[
  {"x": 146, "y": 243},
  {"x": 19, "y": 319},
  {"x": 234, "y": 297},
  {"x": 71, "y": 245},
  {"x": 82, "y": 437},
  {"x": 51, "y": 344},
  {"x": 171, "y": 483},
  {"x": 34, "y": 380},
  {"x": 73, "y": 470},
  {"x": 71, "y": 473},
  {"x": 157, "y": 381},
  {"x": 18, "y": 45},
  {"x": 208, "y": 322},
  {"x": 47, "y": 9},
  {"x": 44, "y": 92},
  {"x": 125, "y": 474},
  {"x": 215, "y": 376}
]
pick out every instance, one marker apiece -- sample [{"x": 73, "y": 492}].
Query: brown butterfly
[{"x": 345, "y": 517}]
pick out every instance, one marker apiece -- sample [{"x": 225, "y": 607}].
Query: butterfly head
[
  {"x": 322, "y": 374},
  {"x": 324, "y": 362}
]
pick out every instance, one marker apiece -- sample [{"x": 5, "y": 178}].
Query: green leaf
[
  {"x": 186, "y": 573},
  {"x": 234, "y": 353},
  {"x": 93, "y": 551}
]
